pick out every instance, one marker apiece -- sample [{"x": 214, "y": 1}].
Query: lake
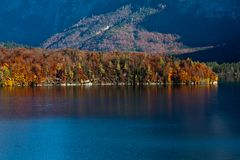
[{"x": 120, "y": 123}]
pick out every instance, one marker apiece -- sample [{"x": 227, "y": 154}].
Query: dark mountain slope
[
  {"x": 32, "y": 21},
  {"x": 198, "y": 22},
  {"x": 202, "y": 23}
]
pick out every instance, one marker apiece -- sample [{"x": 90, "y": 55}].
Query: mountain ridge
[
  {"x": 32, "y": 21},
  {"x": 118, "y": 31},
  {"x": 198, "y": 22}
]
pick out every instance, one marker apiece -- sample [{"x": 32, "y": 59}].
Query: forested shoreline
[
  {"x": 40, "y": 67},
  {"x": 227, "y": 72}
]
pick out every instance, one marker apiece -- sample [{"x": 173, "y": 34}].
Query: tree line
[
  {"x": 227, "y": 72},
  {"x": 34, "y": 67}
]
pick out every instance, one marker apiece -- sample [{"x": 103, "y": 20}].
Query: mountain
[
  {"x": 202, "y": 23},
  {"x": 198, "y": 22},
  {"x": 32, "y": 21},
  {"x": 118, "y": 31}
]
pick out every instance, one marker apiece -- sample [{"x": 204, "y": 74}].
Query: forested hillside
[{"x": 119, "y": 31}]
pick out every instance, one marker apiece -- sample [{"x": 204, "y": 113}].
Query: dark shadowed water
[{"x": 119, "y": 123}]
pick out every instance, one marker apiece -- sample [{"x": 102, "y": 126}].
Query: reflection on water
[
  {"x": 149, "y": 123},
  {"x": 105, "y": 101}
]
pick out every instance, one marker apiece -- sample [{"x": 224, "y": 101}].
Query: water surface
[{"x": 110, "y": 123}]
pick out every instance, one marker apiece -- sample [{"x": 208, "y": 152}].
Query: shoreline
[{"x": 90, "y": 84}]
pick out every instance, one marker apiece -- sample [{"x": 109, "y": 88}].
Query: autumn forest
[{"x": 40, "y": 67}]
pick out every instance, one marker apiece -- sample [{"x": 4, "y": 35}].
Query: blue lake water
[{"x": 119, "y": 123}]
